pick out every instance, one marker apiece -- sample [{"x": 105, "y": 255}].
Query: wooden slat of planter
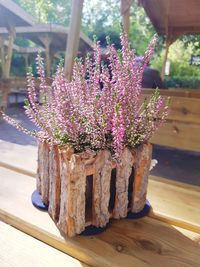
[
  {"x": 142, "y": 166},
  {"x": 144, "y": 242},
  {"x": 72, "y": 200},
  {"x": 101, "y": 189},
  {"x": 123, "y": 172},
  {"x": 178, "y": 135},
  {"x": 54, "y": 183},
  {"x": 22, "y": 250},
  {"x": 175, "y": 203},
  {"x": 43, "y": 166}
]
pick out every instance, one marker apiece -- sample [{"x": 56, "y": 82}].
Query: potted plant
[{"x": 93, "y": 151}]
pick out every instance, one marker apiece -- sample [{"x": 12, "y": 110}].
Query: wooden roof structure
[
  {"x": 53, "y": 38},
  {"x": 13, "y": 15},
  {"x": 173, "y": 18},
  {"x": 57, "y": 36}
]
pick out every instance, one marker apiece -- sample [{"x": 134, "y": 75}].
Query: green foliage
[
  {"x": 103, "y": 18},
  {"x": 182, "y": 74},
  {"x": 53, "y": 11},
  {"x": 182, "y": 82},
  {"x": 18, "y": 60}
]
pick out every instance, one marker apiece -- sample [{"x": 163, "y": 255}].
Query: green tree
[{"x": 43, "y": 11}]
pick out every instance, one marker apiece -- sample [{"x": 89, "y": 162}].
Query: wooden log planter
[{"x": 89, "y": 188}]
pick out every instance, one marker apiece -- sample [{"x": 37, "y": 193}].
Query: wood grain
[
  {"x": 22, "y": 250},
  {"x": 178, "y": 135},
  {"x": 183, "y": 109},
  {"x": 175, "y": 203},
  {"x": 142, "y": 166},
  {"x": 145, "y": 242},
  {"x": 101, "y": 188},
  {"x": 180, "y": 92},
  {"x": 123, "y": 172}
]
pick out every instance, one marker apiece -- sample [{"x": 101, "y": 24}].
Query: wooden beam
[
  {"x": 2, "y": 54},
  {"x": 25, "y": 56},
  {"x": 8, "y": 56},
  {"x": 73, "y": 36},
  {"x": 165, "y": 60},
  {"x": 46, "y": 40},
  {"x": 125, "y": 12}
]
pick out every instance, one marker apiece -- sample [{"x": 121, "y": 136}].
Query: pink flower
[{"x": 101, "y": 107}]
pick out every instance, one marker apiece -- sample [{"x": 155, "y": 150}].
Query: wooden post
[
  {"x": 125, "y": 12},
  {"x": 73, "y": 36},
  {"x": 8, "y": 57},
  {"x": 46, "y": 40},
  {"x": 165, "y": 60},
  {"x": 26, "y": 61},
  {"x": 2, "y": 54}
]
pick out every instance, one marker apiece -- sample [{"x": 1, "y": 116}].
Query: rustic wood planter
[{"x": 89, "y": 188}]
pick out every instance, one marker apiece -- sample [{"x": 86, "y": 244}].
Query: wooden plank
[
  {"x": 175, "y": 203},
  {"x": 22, "y": 250},
  {"x": 176, "y": 183},
  {"x": 179, "y": 92},
  {"x": 10, "y": 157},
  {"x": 178, "y": 135},
  {"x": 184, "y": 109},
  {"x": 144, "y": 242}
]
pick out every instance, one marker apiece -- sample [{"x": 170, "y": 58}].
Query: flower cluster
[{"x": 102, "y": 107}]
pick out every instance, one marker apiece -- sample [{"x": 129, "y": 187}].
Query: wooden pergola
[
  {"x": 52, "y": 38},
  {"x": 11, "y": 16},
  {"x": 170, "y": 18},
  {"x": 74, "y": 30},
  {"x": 173, "y": 19}
]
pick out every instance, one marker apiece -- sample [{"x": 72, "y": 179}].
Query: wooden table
[{"x": 170, "y": 236}]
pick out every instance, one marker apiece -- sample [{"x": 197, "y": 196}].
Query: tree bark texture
[
  {"x": 62, "y": 176},
  {"x": 101, "y": 188},
  {"x": 141, "y": 166},
  {"x": 54, "y": 182},
  {"x": 42, "y": 181},
  {"x": 72, "y": 200},
  {"x": 123, "y": 172}
]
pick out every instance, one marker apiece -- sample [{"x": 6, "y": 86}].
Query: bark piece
[
  {"x": 42, "y": 181},
  {"x": 39, "y": 168},
  {"x": 142, "y": 166},
  {"x": 101, "y": 188},
  {"x": 123, "y": 172},
  {"x": 73, "y": 184},
  {"x": 54, "y": 183}
]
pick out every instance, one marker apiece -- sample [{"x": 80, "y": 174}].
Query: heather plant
[{"x": 102, "y": 107}]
